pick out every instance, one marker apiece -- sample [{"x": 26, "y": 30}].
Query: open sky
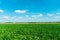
[{"x": 29, "y": 10}]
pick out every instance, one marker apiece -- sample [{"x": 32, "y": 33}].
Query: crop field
[{"x": 29, "y": 31}]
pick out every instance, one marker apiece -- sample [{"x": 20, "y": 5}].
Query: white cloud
[
  {"x": 20, "y": 11},
  {"x": 49, "y": 14},
  {"x": 37, "y": 16},
  {"x": 1, "y": 11},
  {"x": 19, "y": 17},
  {"x": 40, "y": 15},
  {"x": 58, "y": 17},
  {"x": 34, "y": 16},
  {"x": 5, "y": 17}
]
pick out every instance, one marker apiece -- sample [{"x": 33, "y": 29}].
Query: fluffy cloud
[
  {"x": 49, "y": 14},
  {"x": 1, "y": 11},
  {"x": 33, "y": 16},
  {"x": 58, "y": 17},
  {"x": 20, "y": 11},
  {"x": 5, "y": 17},
  {"x": 40, "y": 15}
]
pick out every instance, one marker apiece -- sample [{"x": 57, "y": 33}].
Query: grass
[{"x": 29, "y": 31}]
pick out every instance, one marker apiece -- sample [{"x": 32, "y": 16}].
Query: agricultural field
[{"x": 30, "y": 31}]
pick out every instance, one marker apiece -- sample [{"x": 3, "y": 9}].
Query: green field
[{"x": 29, "y": 31}]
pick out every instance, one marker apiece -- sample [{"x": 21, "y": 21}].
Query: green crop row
[{"x": 29, "y": 31}]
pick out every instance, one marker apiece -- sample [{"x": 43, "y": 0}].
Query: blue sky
[{"x": 29, "y": 10}]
